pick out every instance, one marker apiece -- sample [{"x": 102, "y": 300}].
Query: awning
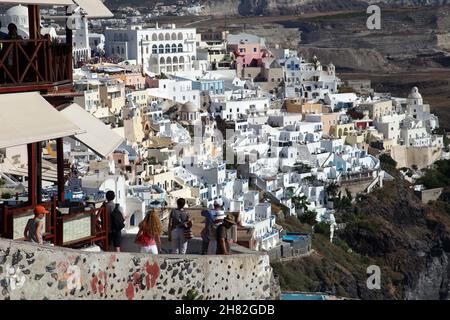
[
  {"x": 98, "y": 137},
  {"x": 28, "y": 117},
  {"x": 39, "y": 2},
  {"x": 92, "y": 8}
]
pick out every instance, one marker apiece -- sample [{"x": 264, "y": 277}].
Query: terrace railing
[{"x": 34, "y": 63}]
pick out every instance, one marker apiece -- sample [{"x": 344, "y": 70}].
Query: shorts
[
  {"x": 115, "y": 238},
  {"x": 152, "y": 249}
]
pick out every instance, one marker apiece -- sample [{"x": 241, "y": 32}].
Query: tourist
[
  {"x": 34, "y": 230},
  {"x": 180, "y": 224},
  {"x": 218, "y": 220},
  {"x": 116, "y": 220},
  {"x": 12, "y": 32},
  {"x": 210, "y": 219},
  {"x": 149, "y": 235},
  {"x": 223, "y": 245}
]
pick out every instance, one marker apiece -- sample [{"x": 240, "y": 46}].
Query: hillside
[
  {"x": 390, "y": 228},
  {"x": 276, "y": 7}
]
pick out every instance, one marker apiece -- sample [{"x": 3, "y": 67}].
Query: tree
[
  {"x": 332, "y": 190},
  {"x": 309, "y": 218},
  {"x": 300, "y": 202}
]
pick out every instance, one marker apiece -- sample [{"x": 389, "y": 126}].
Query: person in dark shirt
[
  {"x": 223, "y": 246},
  {"x": 179, "y": 222}
]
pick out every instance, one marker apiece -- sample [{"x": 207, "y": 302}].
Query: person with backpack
[
  {"x": 116, "y": 220},
  {"x": 180, "y": 228},
  {"x": 218, "y": 221},
  {"x": 149, "y": 235}
]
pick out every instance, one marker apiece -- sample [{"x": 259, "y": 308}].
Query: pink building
[{"x": 247, "y": 54}]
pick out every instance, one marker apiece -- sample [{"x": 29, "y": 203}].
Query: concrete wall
[{"x": 28, "y": 271}]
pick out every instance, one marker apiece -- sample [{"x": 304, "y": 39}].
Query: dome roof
[
  {"x": 17, "y": 11},
  {"x": 415, "y": 94},
  {"x": 188, "y": 107}
]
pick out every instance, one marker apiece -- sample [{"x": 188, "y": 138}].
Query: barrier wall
[{"x": 28, "y": 271}]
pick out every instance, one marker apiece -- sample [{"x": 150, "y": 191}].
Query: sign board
[{"x": 77, "y": 228}]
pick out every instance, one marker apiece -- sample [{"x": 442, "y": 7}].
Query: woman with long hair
[{"x": 149, "y": 235}]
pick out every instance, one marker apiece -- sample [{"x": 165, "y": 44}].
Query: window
[
  {"x": 154, "y": 49},
  {"x": 161, "y": 48},
  {"x": 180, "y": 47},
  {"x": 174, "y": 48},
  {"x": 254, "y": 49},
  {"x": 167, "y": 48}
]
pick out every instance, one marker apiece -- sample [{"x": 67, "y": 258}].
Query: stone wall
[{"x": 28, "y": 271}]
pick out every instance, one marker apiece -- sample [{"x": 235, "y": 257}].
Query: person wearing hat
[
  {"x": 34, "y": 231},
  {"x": 223, "y": 245}
]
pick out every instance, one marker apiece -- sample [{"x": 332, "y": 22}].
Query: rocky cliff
[
  {"x": 390, "y": 228},
  {"x": 289, "y": 7}
]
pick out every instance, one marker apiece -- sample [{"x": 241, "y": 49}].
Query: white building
[{"x": 160, "y": 49}]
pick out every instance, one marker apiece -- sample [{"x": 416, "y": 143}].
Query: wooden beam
[
  {"x": 60, "y": 167},
  {"x": 34, "y": 21},
  {"x": 32, "y": 181}
]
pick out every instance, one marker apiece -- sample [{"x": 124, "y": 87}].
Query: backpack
[{"x": 117, "y": 220}]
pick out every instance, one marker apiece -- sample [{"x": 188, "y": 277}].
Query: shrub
[
  {"x": 309, "y": 217},
  {"x": 322, "y": 228},
  {"x": 6, "y": 195}
]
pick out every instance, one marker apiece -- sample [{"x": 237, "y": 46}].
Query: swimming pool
[
  {"x": 301, "y": 296},
  {"x": 291, "y": 237}
]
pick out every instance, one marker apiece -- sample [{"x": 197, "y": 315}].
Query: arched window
[
  {"x": 160, "y": 37},
  {"x": 146, "y": 49},
  {"x": 169, "y": 60},
  {"x": 180, "y": 48},
  {"x": 180, "y": 36},
  {"x": 174, "y": 48},
  {"x": 154, "y": 37},
  {"x": 181, "y": 59},
  {"x": 146, "y": 37},
  {"x": 175, "y": 60},
  {"x": 167, "y": 37},
  {"x": 161, "y": 48},
  {"x": 167, "y": 48},
  {"x": 154, "y": 49},
  {"x": 162, "y": 61},
  {"x": 174, "y": 36}
]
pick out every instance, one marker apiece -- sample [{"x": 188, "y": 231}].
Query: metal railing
[{"x": 34, "y": 62}]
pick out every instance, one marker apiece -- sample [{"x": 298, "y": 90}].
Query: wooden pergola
[{"x": 40, "y": 64}]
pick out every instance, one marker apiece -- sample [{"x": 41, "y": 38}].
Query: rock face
[
  {"x": 390, "y": 228},
  {"x": 289, "y": 7},
  {"x": 407, "y": 238}
]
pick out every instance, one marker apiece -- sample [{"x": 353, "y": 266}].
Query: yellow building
[
  {"x": 297, "y": 105},
  {"x": 342, "y": 130}
]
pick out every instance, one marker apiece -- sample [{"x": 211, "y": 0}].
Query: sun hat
[{"x": 40, "y": 210}]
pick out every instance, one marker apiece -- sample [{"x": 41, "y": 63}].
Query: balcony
[{"x": 34, "y": 64}]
